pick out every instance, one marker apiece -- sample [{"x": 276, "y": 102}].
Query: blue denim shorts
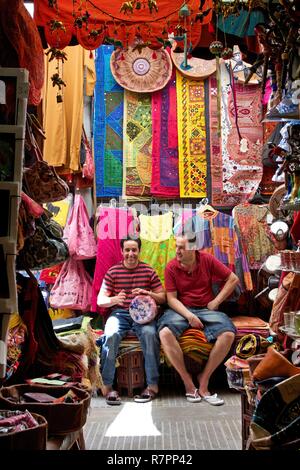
[{"x": 214, "y": 322}]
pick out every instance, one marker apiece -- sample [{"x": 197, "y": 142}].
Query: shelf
[
  {"x": 289, "y": 332},
  {"x": 290, "y": 270}
]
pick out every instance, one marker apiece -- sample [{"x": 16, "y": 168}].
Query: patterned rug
[
  {"x": 165, "y": 180},
  {"x": 137, "y": 147},
  {"x": 191, "y": 136},
  {"x": 236, "y": 167},
  {"x": 108, "y": 127}
]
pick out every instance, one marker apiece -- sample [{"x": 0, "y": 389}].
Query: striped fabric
[{"x": 120, "y": 278}]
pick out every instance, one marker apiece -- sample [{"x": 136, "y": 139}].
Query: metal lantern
[{"x": 227, "y": 53}]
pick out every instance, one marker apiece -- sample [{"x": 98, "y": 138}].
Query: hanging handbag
[
  {"x": 41, "y": 181},
  {"x": 72, "y": 288},
  {"x": 78, "y": 233},
  {"x": 88, "y": 168},
  {"x": 44, "y": 248}
]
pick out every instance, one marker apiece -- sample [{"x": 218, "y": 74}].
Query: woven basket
[
  {"x": 29, "y": 439},
  {"x": 62, "y": 418}
]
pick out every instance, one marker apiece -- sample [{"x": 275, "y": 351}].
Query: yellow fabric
[
  {"x": 63, "y": 121},
  {"x": 191, "y": 136},
  {"x": 57, "y": 313},
  {"x": 156, "y": 228},
  {"x": 60, "y": 210},
  {"x": 15, "y": 320}
]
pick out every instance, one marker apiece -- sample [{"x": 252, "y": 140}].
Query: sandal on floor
[
  {"x": 145, "y": 396},
  {"x": 193, "y": 397},
  {"x": 112, "y": 398},
  {"x": 213, "y": 399}
]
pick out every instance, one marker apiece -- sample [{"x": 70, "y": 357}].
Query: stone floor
[{"x": 167, "y": 423}]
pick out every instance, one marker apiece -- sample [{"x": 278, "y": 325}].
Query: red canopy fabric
[{"x": 106, "y": 20}]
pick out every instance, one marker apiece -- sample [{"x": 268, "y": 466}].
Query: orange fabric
[{"x": 151, "y": 25}]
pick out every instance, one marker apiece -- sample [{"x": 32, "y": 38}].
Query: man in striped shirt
[{"x": 121, "y": 284}]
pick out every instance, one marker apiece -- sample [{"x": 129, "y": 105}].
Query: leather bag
[{"x": 41, "y": 180}]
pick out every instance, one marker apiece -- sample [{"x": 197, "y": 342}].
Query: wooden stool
[{"x": 130, "y": 373}]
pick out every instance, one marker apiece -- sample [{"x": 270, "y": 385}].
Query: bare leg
[
  {"x": 106, "y": 389},
  {"x": 174, "y": 353},
  {"x": 217, "y": 354}
]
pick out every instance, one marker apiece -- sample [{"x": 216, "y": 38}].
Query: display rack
[{"x": 13, "y": 100}]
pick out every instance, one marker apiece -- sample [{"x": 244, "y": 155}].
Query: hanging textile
[
  {"x": 108, "y": 127},
  {"x": 165, "y": 142},
  {"x": 158, "y": 242},
  {"x": 113, "y": 225},
  {"x": 251, "y": 222},
  {"x": 63, "y": 121},
  {"x": 191, "y": 136},
  {"x": 137, "y": 144},
  {"x": 215, "y": 233},
  {"x": 236, "y": 168}
]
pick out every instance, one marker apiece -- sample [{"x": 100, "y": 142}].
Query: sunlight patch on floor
[{"x": 134, "y": 419}]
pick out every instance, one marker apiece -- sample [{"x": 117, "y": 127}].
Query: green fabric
[{"x": 158, "y": 254}]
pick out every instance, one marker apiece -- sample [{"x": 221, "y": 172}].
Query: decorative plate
[{"x": 143, "y": 309}]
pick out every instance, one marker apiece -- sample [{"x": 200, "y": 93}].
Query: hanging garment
[
  {"x": 165, "y": 180},
  {"x": 63, "y": 121},
  {"x": 158, "y": 242},
  {"x": 215, "y": 233},
  {"x": 137, "y": 144},
  {"x": 235, "y": 167},
  {"x": 191, "y": 136},
  {"x": 108, "y": 127},
  {"x": 251, "y": 222},
  {"x": 113, "y": 225}
]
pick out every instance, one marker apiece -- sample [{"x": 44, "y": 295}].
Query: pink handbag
[
  {"x": 78, "y": 233},
  {"x": 72, "y": 288},
  {"x": 88, "y": 168}
]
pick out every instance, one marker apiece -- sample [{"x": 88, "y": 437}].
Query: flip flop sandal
[
  {"x": 193, "y": 397},
  {"x": 112, "y": 398},
  {"x": 213, "y": 400},
  {"x": 145, "y": 396}
]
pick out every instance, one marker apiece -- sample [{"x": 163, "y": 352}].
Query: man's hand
[
  {"x": 194, "y": 322},
  {"x": 120, "y": 298},
  {"x": 213, "y": 305},
  {"x": 138, "y": 291}
]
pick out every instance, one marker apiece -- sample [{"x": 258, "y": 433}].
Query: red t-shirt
[{"x": 194, "y": 289}]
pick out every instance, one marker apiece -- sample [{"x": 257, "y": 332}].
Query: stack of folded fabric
[
  {"x": 194, "y": 344},
  {"x": 254, "y": 325}
]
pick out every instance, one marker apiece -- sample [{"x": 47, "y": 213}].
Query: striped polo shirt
[{"x": 120, "y": 278}]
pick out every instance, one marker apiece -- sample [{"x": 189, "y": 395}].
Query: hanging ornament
[
  {"x": 227, "y": 53},
  {"x": 216, "y": 48}
]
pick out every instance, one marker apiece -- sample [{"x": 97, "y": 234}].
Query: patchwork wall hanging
[
  {"x": 191, "y": 136},
  {"x": 108, "y": 127},
  {"x": 236, "y": 169},
  {"x": 165, "y": 181},
  {"x": 137, "y": 144}
]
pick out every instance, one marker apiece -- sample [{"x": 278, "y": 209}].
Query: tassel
[
  {"x": 122, "y": 56},
  {"x": 91, "y": 54},
  {"x": 154, "y": 56}
]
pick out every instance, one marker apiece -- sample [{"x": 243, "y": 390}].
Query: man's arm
[
  {"x": 228, "y": 288},
  {"x": 105, "y": 300},
  {"x": 178, "y": 306},
  {"x": 159, "y": 296}
]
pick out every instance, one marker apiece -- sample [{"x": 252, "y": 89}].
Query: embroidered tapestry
[
  {"x": 108, "y": 127},
  {"x": 235, "y": 169},
  {"x": 137, "y": 144},
  {"x": 165, "y": 180},
  {"x": 191, "y": 136}
]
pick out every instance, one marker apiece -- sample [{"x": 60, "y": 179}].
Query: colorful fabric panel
[
  {"x": 137, "y": 144},
  {"x": 165, "y": 180},
  {"x": 236, "y": 167},
  {"x": 108, "y": 127},
  {"x": 191, "y": 136}
]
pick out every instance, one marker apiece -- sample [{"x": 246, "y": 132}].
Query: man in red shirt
[
  {"x": 188, "y": 282},
  {"x": 121, "y": 284}
]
